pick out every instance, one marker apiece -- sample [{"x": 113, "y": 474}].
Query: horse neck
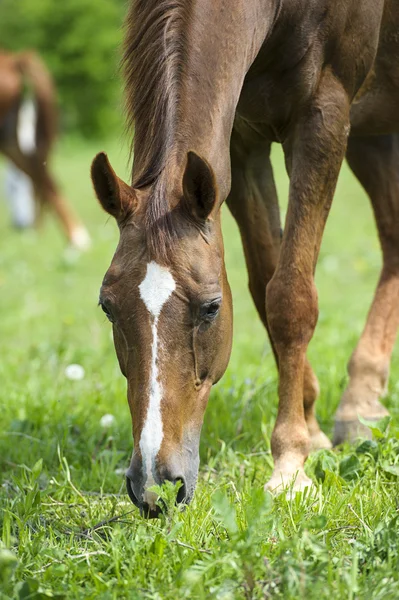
[{"x": 222, "y": 40}]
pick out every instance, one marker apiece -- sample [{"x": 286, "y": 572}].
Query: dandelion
[
  {"x": 74, "y": 372},
  {"x": 107, "y": 421}
]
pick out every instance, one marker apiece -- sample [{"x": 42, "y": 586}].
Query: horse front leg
[
  {"x": 316, "y": 150},
  {"x": 253, "y": 203}
]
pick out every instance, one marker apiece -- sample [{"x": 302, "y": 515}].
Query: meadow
[{"x": 68, "y": 529}]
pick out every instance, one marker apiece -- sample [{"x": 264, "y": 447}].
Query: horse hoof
[
  {"x": 319, "y": 441},
  {"x": 290, "y": 483},
  {"x": 350, "y": 431},
  {"x": 80, "y": 239}
]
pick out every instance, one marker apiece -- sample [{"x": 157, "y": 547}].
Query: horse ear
[
  {"x": 114, "y": 195},
  {"x": 199, "y": 186}
]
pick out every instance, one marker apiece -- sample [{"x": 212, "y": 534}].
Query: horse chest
[
  {"x": 273, "y": 100},
  {"x": 10, "y": 88}
]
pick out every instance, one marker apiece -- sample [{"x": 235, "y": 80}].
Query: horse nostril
[
  {"x": 132, "y": 495},
  {"x": 181, "y": 494}
]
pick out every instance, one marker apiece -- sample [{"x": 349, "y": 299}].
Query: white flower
[
  {"x": 74, "y": 372},
  {"x": 107, "y": 421}
]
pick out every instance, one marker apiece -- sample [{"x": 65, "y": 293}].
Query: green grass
[{"x": 68, "y": 528}]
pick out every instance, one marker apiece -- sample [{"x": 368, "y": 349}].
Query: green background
[{"x": 67, "y": 527}]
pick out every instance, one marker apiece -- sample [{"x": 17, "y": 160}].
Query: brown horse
[
  {"x": 27, "y": 141},
  {"x": 210, "y": 85}
]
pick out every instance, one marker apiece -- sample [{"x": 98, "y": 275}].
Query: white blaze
[
  {"x": 155, "y": 289},
  {"x": 26, "y": 127}
]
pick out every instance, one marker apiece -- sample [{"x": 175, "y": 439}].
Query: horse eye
[
  {"x": 210, "y": 310},
  {"x": 106, "y": 312}
]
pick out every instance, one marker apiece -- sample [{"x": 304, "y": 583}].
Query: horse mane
[{"x": 153, "y": 62}]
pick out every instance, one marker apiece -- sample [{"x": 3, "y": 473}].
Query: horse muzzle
[{"x": 146, "y": 499}]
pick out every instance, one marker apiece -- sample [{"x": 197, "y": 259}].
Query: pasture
[{"x": 68, "y": 528}]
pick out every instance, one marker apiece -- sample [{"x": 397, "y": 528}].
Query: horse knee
[{"x": 292, "y": 311}]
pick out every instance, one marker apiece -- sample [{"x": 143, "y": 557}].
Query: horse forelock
[{"x": 153, "y": 63}]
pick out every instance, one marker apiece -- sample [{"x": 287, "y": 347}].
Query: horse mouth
[
  {"x": 154, "y": 512},
  {"x": 145, "y": 509}
]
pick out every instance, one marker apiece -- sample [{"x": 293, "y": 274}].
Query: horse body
[
  {"x": 28, "y": 132},
  {"x": 210, "y": 85},
  {"x": 11, "y": 85},
  {"x": 285, "y": 75}
]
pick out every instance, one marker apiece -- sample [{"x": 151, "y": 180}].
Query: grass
[{"x": 68, "y": 528}]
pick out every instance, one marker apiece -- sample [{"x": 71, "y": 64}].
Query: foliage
[
  {"x": 79, "y": 41},
  {"x": 68, "y": 529}
]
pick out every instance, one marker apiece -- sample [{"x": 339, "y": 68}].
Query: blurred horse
[
  {"x": 210, "y": 85},
  {"x": 28, "y": 123},
  {"x": 20, "y": 196}
]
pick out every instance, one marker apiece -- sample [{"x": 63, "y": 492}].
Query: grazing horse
[
  {"x": 210, "y": 85},
  {"x": 28, "y": 131}
]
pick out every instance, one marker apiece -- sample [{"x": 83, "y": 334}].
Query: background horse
[
  {"x": 210, "y": 85},
  {"x": 28, "y": 131}
]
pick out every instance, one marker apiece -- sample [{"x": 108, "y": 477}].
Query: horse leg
[
  {"x": 254, "y": 205},
  {"x": 315, "y": 151},
  {"x": 375, "y": 162},
  {"x": 48, "y": 192},
  {"x": 40, "y": 208}
]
